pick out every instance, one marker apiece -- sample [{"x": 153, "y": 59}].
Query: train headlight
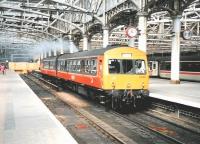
[
  {"x": 113, "y": 85},
  {"x": 142, "y": 85},
  {"x": 128, "y": 86}
]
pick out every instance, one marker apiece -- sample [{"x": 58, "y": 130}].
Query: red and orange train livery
[{"x": 118, "y": 74}]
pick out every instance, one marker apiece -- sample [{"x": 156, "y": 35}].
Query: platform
[
  {"x": 186, "y": 93},
  {"x": 24, "y": 119}
]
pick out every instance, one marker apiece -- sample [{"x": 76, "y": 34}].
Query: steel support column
[
  {"x": 45, "y": 54},
  {"x": 61, "y": 50},
  {"x": 61, "y": 46},
  {"x": 89, "y": 44},
  {"x": 55, "y": 50},
  {"x": 175, "y": 56},
  {"x": 41, "y": 55},
  {"x": 142, "y": 25},
  {"x": 50, "y": 53},
  {"x": 85, "y": 42},
  {"x": 105, "y": 27},
  {"x": 105, "y": 37}
]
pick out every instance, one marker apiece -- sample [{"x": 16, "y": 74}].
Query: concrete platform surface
[
  {"x": 186, "y": 93},
  {"x": 24, "y": 119}
]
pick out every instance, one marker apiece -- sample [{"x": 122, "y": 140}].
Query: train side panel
[
  {"x": 194, "y": 76},
  {"x": 184, "y": 75},
  {"x": 49, "y": 72},
  {"x": 63, "y": 75},
  {"x": 85, "y": 79}
]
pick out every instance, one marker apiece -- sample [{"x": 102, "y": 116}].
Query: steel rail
[
  {"x": 94, "y": 121},
  {"x": 150, "y": 129}
]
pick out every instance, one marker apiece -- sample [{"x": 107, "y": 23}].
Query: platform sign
[
  {"x": 131, "y": 32},
  {"x": 187, "y": 34}
]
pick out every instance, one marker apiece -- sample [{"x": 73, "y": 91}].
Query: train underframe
[
  {"x": 119, "y": 100},
  {"x": 128, "y": 99}
]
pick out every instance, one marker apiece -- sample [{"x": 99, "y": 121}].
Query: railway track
[
  {"x": 188, "y": 125},
  {"x": 111, "y": 132},
  {"x": 179, "y": 109},
  {"x": 166, "y": 129},
  {"x": 97, "y": 123},
  {"x": 149, "y": 128}
]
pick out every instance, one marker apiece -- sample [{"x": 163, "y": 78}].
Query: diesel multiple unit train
[
  {"x": 189, "y": 67},
  {"x": 115, "y": 75}
]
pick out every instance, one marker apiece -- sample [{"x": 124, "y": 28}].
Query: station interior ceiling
[{"x": 28, "y": 27}]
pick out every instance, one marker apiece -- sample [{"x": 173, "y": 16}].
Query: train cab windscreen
[
  {"x": 118, "y": 66},
  {"x": 114, "y": 66}
]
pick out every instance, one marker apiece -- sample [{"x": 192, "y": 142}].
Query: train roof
[
  {"x": 50, "y": 58},
  {"x": 95, "y": 52}
]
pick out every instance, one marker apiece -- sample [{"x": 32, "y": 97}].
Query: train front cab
[{"x": 125, "y": 76}]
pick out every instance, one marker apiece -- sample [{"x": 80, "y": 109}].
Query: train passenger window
[
  {"x": 165, "y": 66},
  {"x": 51, "y": 65},
  {"x": 58, "y": 65},
  {"x": 154, "y": 66},
  {"x": 82, "y": 66},
  {"x": 168, "y": 66},
  {"x": 190, "y": 66},
  {"x": 196, "y": 67},
  {"x": 46, "y": 64},
  {"x": 184, "y": 66},
  {"x": 74, "y": 65},
  {"x": 86, "y": 66},
  {"x": 93, "y": 66},
  {"x": 62, "y": 65},
  {"x": 150, "y": 65},
  {"x": 66, "y": 65},
  {"x": 114, "y": 66},
  {"x": 70, "y": 66},
  {"x": 78, "y": 66}
]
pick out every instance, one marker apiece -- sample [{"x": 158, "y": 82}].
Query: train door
[{"x": 153, "y": 68}]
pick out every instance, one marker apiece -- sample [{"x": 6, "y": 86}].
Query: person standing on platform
[
  {"x": 3, "y": 69},
  {"x": 0, "y": 68}
]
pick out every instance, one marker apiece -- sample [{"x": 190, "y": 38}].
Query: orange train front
[{"x": 117, "y": 75}]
